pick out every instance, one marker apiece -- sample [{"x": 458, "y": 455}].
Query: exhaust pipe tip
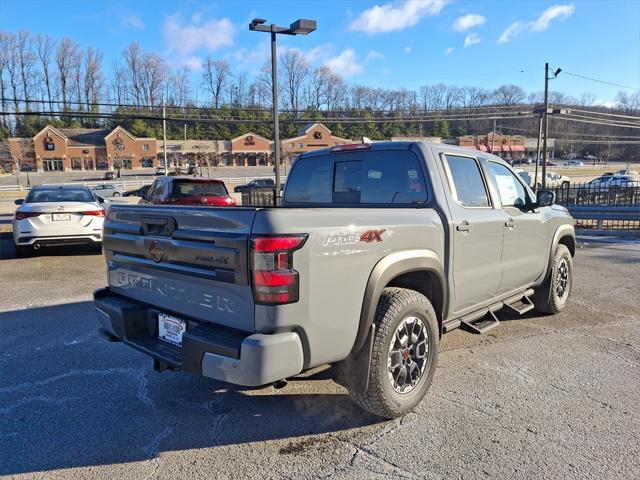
[
  {"x": 280, "y": 384},
  {"x": 36, "y": 246}
]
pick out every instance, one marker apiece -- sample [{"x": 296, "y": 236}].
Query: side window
[
  {"x": 512, "y": 193},
  {"x": 310, "y": 181},
  {"x": 468, "y": 186}
]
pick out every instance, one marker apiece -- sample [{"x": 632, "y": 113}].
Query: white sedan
[{"x": 57, "y": 215}]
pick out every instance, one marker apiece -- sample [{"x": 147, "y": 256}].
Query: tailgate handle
[{"x": 163, "y": 226}]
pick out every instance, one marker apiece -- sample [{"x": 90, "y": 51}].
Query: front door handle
[
  {"x": 510, "y": 223},
  {"x": 463, "y": 227}
]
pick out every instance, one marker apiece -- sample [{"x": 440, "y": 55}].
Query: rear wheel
[
  {"x": 116, "y": 194},
  {"x": 404, "y": 356},
  {"x": 551, "y": 297}
]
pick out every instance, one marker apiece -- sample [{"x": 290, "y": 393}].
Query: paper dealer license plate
[{"x": 170, "y": 329}]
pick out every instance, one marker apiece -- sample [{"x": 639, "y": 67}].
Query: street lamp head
[
  {"x": 256, "y": 21},
  {"x": 557, "y": 72},
  {"x": 302, "y": 27}
]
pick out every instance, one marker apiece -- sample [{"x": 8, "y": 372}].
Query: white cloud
[
  {"x": 193, "y": 63},
  {"x": 395, "y": 16},
  {"x": 345, "y": 63},
  {"x": 472, "y": 39},
  {"x": 132, "y": 21},
  {"x": 605, "y": 103},
  {"x": 540, "y": 24},
  {"x": 374, "y": 55},
  {"x": 409, "y": 47},
  {"x": 551, "y": 13},
  {"x": 188, "y": 37},
  {"x": 511, "y": 32},
  {"x": 449, "y": 50},
  {"x": 466, "y": 22}
]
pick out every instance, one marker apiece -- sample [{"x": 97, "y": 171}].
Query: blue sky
[{"x": 377, "y": 43}]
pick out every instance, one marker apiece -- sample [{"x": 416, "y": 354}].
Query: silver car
[
  {"x": 57, "y": 215},
  {"x": 106, "y": 190}
]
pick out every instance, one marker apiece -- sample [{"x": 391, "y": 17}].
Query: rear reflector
[
  {"x": 274, "y": 280},
  {"x": 350, "y": 146},
  {"x": 23, "y": 215}
]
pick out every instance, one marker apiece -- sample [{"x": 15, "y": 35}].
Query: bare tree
[
  {"x": 216, "y": 75},
  {"x": 295, "y": 71},
  {"x": 66, "y": 59},
  {"x": 238, "y": 89},
  {"x": 25, "y": 60},
  {"x": 93, "y": 79},
  {"x": 153, "y": 75},
  {"x": 133, "y": 62},
  {"x": 13, "y": 69},
  {"x": 509, "y": 95},
  {"x": 118, "y": 83},
  {"x": 45, "y": 45},
  {"x": 4, "y": 59},
  {"x": 18, "y": 150},
  {"x": 179, "y": 88}
]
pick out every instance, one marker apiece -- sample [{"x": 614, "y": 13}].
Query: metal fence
[
  {"x": 259, "y": 197},
  {"x": 601, "y": 208}
]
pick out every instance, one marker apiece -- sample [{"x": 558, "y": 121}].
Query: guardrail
[
  {"x": 132, "y": 184},
  {"x": 606, "y": 217}
]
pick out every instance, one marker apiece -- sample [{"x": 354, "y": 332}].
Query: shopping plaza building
[
  {"x": 65, "y": 149},
  {"x": 68, "y": 149}
]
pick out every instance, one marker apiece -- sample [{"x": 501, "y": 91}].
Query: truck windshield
[
  {"x": 373, "y": 177},
  {"x": 187, "y": 188}
]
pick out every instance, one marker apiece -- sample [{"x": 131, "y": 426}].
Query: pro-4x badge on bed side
[
  {"x": 372, "y": 236},
  {"x": 351, "y": 238}
]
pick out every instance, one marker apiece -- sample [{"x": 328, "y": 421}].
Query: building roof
[
  {"x": 85, "y": 136},
  {"x": 308, "y": 126}
]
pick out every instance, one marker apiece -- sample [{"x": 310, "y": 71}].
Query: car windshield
[
  {"x": 59, "y": 195},
  {"x": 186, "y": 188}
]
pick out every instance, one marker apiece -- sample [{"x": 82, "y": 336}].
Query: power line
[
  {"x": 616, "y": 122},
  {"x": 531, "y": 132},
  {"x": 599, "y": 81},
  {"x": 634, "y": 117},
  {"x": 592, "y": 122}
]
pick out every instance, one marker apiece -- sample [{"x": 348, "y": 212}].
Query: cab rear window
[
  {"x": 370, "y": 178},
  {"x": 187, "y": 188}
]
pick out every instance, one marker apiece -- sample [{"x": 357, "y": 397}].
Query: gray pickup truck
[{"x": 377, "y": 250}]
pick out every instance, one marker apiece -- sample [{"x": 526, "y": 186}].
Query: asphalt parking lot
[{"x": 537, "y": 397}]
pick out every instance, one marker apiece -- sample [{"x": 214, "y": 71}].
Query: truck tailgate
[{"x": 189, "y": 261}]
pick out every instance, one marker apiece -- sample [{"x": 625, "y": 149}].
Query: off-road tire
[
  {"x": 380, "y": 398},
  {"x": 546, "y": 298}
]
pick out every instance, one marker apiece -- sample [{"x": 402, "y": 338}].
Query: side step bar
[
  {"x": 481, "y": 324},
  {"x": 483, "y": 320}
]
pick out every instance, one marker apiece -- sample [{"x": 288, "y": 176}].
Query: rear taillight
[
  {"x": 274, "y": 280},
  {"x": 230, "y": 201},
  {"x": 23, "y": 215},
  {"x": 94, "y": 213}
]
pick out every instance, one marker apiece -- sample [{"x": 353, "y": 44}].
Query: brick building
[
  {"x": 505, "y": 146},
  {"x": 66, "y": 149}
]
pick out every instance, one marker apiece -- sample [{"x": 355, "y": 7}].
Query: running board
[
  {"x": 478, "y": 323},
  {"x": 522, "y": 305}
]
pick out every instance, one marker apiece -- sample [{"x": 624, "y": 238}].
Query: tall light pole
[
  {"x": 164, "y": 136},
  {"x": 299, "y": 27}
]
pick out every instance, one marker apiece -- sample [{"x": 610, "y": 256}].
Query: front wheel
[
  {"x": 551, "y": 297},
  {"x": 404, "y": 356},
  {"x": 116, "y": 194}
]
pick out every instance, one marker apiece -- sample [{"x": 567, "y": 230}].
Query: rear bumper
[
  {"x": 58, "y": 240},
  {"x": 217, "y": 352}
]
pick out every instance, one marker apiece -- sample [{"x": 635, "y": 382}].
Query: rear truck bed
[{"x": 261, "y": 293}]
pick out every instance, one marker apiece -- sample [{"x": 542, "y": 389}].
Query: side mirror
[
  {"x": 545, "y": 198},
  {"x": 19, "y": 201},
  {"x": 100, "y": 199}
]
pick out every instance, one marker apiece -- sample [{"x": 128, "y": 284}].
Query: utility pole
[
  {"x": 546, "y": 126},
  {"x": 164, "y": 136},
  {"x": 276, "y": 120},
  {"x": 493, "y": 136},
  {"x": 535, "y": 178}
]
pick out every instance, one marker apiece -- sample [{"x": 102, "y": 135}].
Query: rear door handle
[
  {"x": 510, "y": 223},
  {"x": 463, "y": 227}
]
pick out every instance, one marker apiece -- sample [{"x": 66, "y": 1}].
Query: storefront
[{"x": 53, "y": 165}]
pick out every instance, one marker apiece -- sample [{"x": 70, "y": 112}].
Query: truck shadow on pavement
[{"x": 69, "y": 399}]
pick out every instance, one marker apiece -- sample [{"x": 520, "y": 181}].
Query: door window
[
  {"x": 467, "y": 183},
  {"x": 512, "y": 192}
]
